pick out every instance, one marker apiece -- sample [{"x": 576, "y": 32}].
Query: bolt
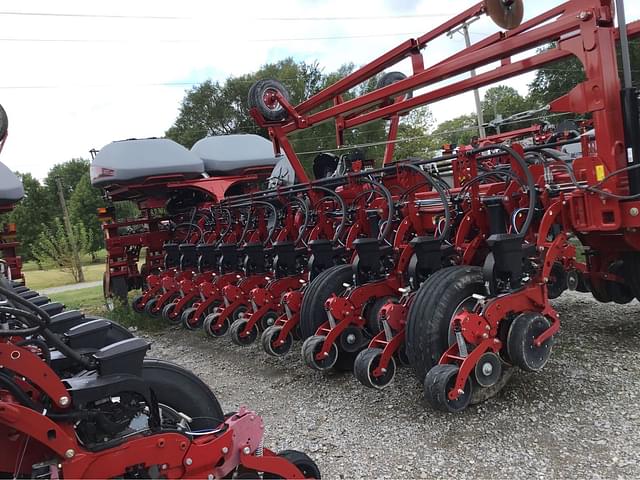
[
  {"x": 246, "y": 450},
  {"x": 384, "y": 370},
  {"x": 70, "y": 453},
  {"x": 584, "y": 15},
  {"x": 351, "y": 339},
  {"x": 485, "y": 335},
  {"x": 164, "y": 466},
  {"x": 487, "y": 369},
  {"x": 634, "y": 211},
  {"x": 210, "y": 476},
  {"x": 64, "y": 401},
  {"x": 225, "y": 450},
  {"x": 460, "y": 391},
  {"x": 188, "y": 461},
  {"x": 487, "y": 327}
]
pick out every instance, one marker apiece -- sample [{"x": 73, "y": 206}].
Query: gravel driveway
[{"x": 579, "y": 418}]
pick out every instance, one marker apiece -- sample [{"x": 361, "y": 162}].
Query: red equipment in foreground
[{"x": 469, "y": 324}]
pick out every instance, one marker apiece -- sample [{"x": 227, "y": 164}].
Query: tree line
[{"x": 220, "y": 108}]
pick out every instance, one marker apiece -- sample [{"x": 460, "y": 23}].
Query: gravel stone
[{"x": 578, "y": 418}]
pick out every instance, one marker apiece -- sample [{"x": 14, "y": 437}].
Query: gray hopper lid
[
  {"x": 133, "y": 160},
  {"x": 226, "y": 154},
  {"x": 11, "y": 190}
]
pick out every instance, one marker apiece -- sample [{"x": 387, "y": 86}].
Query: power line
[
  {"x": 377, "y": 17},
  {"x": 91, "y": 15}
]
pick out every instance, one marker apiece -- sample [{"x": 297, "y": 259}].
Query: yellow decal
[{"x": 599, "y": 172}]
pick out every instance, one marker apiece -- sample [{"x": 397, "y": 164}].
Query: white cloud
[{"x": 103, "y": 89}]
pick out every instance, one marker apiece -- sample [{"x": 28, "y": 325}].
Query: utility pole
[
  {"x": 464, "y": 29},
  {"x": 72, "y": 237}
]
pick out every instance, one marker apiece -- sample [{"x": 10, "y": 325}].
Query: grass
[
  {"x": 91, "y": 301},
  {"x": 41, "y": 279}
]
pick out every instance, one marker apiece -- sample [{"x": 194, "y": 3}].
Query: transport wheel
[
  {"x": 619, "y": 292},
  {"x": 437, "y": 385},
  {"x": 238, "y": 327},
  {"x": 267, "y": 320},
  {"x": 269, "y": 335},
  {"x": 169, "y": 316},
  {"x": 210, "y": 321},
  {"x": 137, "y": 305},
  {"x": 393, "y": 77},
  {"x": 311, "y": 347},
  {"x": 188, "y": 320},
  {"x": 366, "y": 362},
  {"x": 261, "y": 97},
  {"x": 557, "y": 282},
  {"x": 312, "y": 312},
  {"x": 525, "y": 328},
  {"x": 302, "y": 461},
  {"x": 442, "y": 296},
  {"x": 183, "y": 392},
  {"x": 149, "y": 308}
]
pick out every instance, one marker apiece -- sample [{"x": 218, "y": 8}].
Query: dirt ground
[{"x": 579, "y": 418}]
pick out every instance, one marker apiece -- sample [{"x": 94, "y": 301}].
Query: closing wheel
[
  {"x": 269, "y": 336},
  {"x": 149, "y": 308},
  {"x": 262, "y": 97},
  {"x": 136, "y": 304},
  {"x": 437, "y": 385},
  {"x": 168, "y": 314},
  {"x": 302, "y": 461},
  {"x": 237, "y": 328},
  {"x": 210, "y": 322},
  {"x": 522, "y": 351},
  {"x": 311, "y": 347},
  {"x": 267, "y": 320},
  {"x": 239, "y": 312},
  {"x": 488, "y": 370},
  {"x": 189, "y": 321},
  {"x": 365, "y": 364}
]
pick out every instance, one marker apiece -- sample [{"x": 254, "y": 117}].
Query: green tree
[
  {"x": 83, "y": 206},
  {"x": 70, "y": 172},
  {"x": 34, "y": 210},
  {"x": 54, "y": 247},
  {"x": 506, "y": 101},
  {"x": 416, "y": 126},
  {"x": 458, "y": 131}
]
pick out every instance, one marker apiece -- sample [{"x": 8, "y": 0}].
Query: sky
[{"x": 90, "y": 72}]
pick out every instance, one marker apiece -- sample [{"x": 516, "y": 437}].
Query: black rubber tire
[
  {"x": 4, "y": 123},
  {"x": 183, "y": 391},
  {"x": 390, "y": 78},
  {"x": 311, "y": 346},
  {"x": 372, "y": 314},
  {"x": 437, "y": 384},
  {"x": 312, "y": 313},
  {"x": 268, "y": 320},
  {"x": 524, "y": 329},
  {"x": 256, "y": 99},
  {"x": 238, "y": 327},
  {"x": 302, "y": 461},
  {"x": 119, "y": 289},
  {"x": 166, "y": 312},
  {"x": 429, "y": 317},
  {"x": 187, "y": 321},
  {"x": 149, "y": 306},
  {"x": 269, "y": 335},
  {"x": 558, "y": 283},
  {"x": 620, "y": 293},
  {"x": 135, "y": 304},
  {"x": 366, "y": 362},
  {"x": 631, "y": 264}
]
